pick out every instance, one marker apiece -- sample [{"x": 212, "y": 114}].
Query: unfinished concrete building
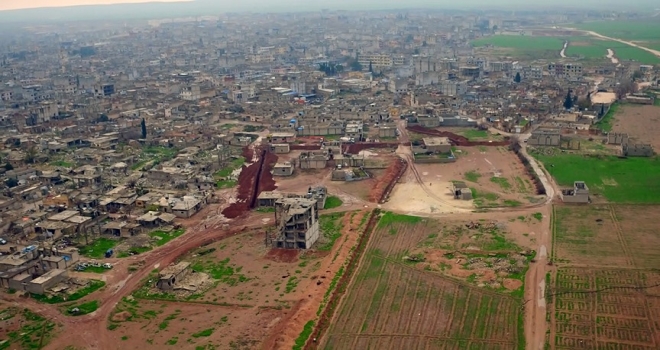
[
  {"x": 312, "y": 160},
  {"x": 551, "y": 138},
  {"x": 169, "y": 276},
  {"x": 461, "y": 191},
  {"x": 615, "y": 138},
  {"x": 578, "y": 194},
  {"x": 637, "y": 150},
  {"x": 297, "y": 221}
]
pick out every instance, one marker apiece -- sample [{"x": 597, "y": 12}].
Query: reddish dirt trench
[{"x": 90, "y": 331}]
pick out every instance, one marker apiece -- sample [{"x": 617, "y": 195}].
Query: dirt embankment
[
  {"x": 386, "y": 183},
  {"x": 342, "y": 284},
  {"x": 540, "y": 189},
  {"x": 355, "y": 148},
  {"x": 305, "y": 147},
  {"x": 253, "y": 179},
  {"x": 457, "y": 140}
]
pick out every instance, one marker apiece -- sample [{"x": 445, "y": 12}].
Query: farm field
[
  {"x": 394, "y": 304},
  {"x": 605, "y": 291},
  {"x": 521, "y": 42},
  {"x": 631, "y": 180},
  {"x": 590, "y": 47},
  {"x": 522, "y": 46},
  {"x": 640, "y": 122},
  {"x": 627, "y": 30}
]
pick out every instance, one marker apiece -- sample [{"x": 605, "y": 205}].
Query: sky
[
  {"x": 255, "y": 4},
  {"x": 24, "y": 4}
]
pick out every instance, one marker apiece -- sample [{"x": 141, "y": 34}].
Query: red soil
[{"x": 386, "y": 182}]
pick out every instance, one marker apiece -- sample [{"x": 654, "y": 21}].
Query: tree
[
  {"x": 143, "y": 124},
  {"x": 371, "y": 67},
  {"x": 103, "y": 118},
  {"x": 517, "y": 79},
  {"x": 568, "y": 102},
  {"x": 11, "y": 182},
  {"x": 31, "y": 155},
  {"x": 602, "y": 110},
  {"x": 356, "y": 66},
  {"x": 8, "y": 167}
]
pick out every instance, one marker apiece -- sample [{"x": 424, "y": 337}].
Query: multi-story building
[
  {"x": 565, "y": 70},
  {"x": 376, "y": 60},
  {"x": 297, "y": 222},
  {"x": 191, "y": 93}
]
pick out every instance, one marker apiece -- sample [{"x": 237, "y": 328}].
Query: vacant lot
[
  {"x": 495, "y": 175},
  {"x": 393, "y": 304},
  {"x": 641, "y": 122},
  {"x": 632, "y": 180},
  {"x": 23, "y": 329},
  {"x": 605, "y": 292}
]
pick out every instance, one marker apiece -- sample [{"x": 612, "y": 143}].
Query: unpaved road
[{"x": 562, "y": 53}]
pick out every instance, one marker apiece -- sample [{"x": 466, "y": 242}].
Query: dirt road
[{"x": 629, "y": 43}]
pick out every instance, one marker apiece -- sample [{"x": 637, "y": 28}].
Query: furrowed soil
[{"x": 605, "y": 289}]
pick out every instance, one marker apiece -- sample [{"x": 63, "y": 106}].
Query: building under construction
[{"x": 297, "y": 221}]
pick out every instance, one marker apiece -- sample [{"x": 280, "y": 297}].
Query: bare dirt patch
[{"x": 640, "y": 122}]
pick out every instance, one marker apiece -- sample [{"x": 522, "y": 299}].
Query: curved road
[{"x": 629, "y": 43}]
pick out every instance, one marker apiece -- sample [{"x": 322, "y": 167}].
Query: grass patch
[
  {"x": 607, "y": 122},
  {"x": 390, "y": 218},
  {"x": 502, "y": 181},
  {"x": 134, "y": 251},
  {"x": 204, "y": 333},
  {"x": 538, "y": 216},
  {"x": 29, "y": 336},
  {"x": 83, "y": 309},
  {"x": 291, "y": 284},
  {"x": 220, "y": 271},
  {"x": 265, "y": 210},
  {"x": 233, "y": 165},
  {"x": 472, "y": 176},
  {"x": 62, "y": 163},
  {"x": 172, "y": 341},
  {"x": 333, "y": 202},
  {"x": 304, "y": 335},
  {"x": 222, "y": 184},
  {"x": 474, "y": 134},
  {"x": 97, "y": 249},
  {"x": 330, "y": 225},
  {"x": 631, "y": 180},
  {"x": 164, "y": 237},
  {"x": 93, "y": 286}
]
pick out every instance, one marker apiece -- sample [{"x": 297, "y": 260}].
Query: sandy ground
[
  {"x": 640, "y": 122},
  {"x": 610, "y": 55},
  {"x": 603, "y": 97},
  {"x": 431, "y": 193}
]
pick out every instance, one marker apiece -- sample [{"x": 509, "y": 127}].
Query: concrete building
[
  {"x": 169, "y": 276},
  {"x": 283, "y": 169},
  {"x": 46, "y": 281},
  {"x": 550, "y": 138},
  {"x": 615, "y": 138},
  {"x": 453, "y": 88},
  {"x": 437, "y": 144},
  {"x": 312, "y": 160},
  {"x": 297, "y": 223},
  {"x": 191, "y": 93},
  {"x": 637, "y": 150},
  {"x": 565, "y": 70},
  {"x": 578, "y": 194},
  {"x": 461, "y": 190},
  {"x": 280, "y": 148},
  {"x": 376, "y": 60},
  {"x": 398, "y": 85}
]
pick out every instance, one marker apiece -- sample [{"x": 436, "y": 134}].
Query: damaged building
[{"x": 297, "y": 221}]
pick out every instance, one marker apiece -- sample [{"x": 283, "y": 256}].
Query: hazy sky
[{"x": 23, "y": 4}]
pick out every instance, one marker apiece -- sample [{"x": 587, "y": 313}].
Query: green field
[
  {"x": 521, "y": 42},
  {"x": 594, "y": 48},
  {"x": 633, "y": 53},
  {"x": 394, "y": 304},
  {"x": 606, "y": 123},
  {"x": 632, "y": 180},
  {"x": 629, "y": 30}
]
